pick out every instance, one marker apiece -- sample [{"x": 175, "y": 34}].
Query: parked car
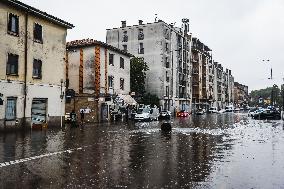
[
  {"x": 256, "y": 112},
  {"x": 229, "y": 108},
  {"x": 165, "y": 114},
  {"x": 147, "y": 114},
  {"x": 213, "y": 110},
  {"x": 221, "y": 111},
  {"x": 268, "y": 114},
  {"x": 182, "y": 113},
  {"x": 237, "y": 110},
  {"x": 200, "y": 111}
]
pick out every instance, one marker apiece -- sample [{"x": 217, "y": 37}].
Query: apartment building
[
  {"x": 166, "y": 50},
  {"x": 97, "y": 73},
  {"x": 32, "y": 66},
  {"x": 202, "y": 75},
  {"x": 240, "y": 94}
]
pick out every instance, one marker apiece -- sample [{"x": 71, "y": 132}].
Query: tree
[
  {"x": 150, "y": 99},
  {"x": 138, "y": 70}
]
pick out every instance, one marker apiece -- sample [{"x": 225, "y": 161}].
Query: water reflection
[{"x": 133, "y": 155}]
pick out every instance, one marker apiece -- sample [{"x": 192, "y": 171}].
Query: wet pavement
[{"x": 210, "y": 151}]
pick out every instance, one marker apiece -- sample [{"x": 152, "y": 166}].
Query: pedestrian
[
  {"x": 82, "y": 113},
  {"x": 73, "y": 117}
]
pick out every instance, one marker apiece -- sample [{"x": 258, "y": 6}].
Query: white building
[
  {"x": 166, "y": 50},
  {"x": 97, "y": 71},
  {"x": 32, "y": 66}
]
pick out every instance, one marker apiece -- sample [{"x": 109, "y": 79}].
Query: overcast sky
[{"x": 241, "y": 33}]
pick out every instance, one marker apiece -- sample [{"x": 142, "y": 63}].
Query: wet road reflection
[{"x": 209, "y": 151}]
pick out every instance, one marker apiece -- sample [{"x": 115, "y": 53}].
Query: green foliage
[
  {"x": 273, "y": 93},
  {"x": 138, "y": 70},
  {"x": 150, "y": 99}
]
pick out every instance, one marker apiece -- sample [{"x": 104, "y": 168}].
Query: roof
[
  {"x": 91, "y": 42},
  {"x": 31, "y": 10}
]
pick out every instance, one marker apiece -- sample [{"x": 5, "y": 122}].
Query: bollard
[{"x": 166, "y": 126}]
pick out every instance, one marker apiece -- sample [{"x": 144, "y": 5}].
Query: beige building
[
  {"x": 97, "y": 73},
  {"x": 32, "y": 66},
  {"x": 202, "y": 75}
]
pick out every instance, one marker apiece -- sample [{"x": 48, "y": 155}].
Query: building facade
[
  {"x": 241, "y": 97},
  {"x": 166, "y": 50},
  {"x": 97, "y": 73},
  {"x": 32, "y": 44},
  {"x": 202, "y": 75}
]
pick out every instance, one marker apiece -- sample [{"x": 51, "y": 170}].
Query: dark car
[
  {"x": 268, "y": 114},
  {"x": 164, "y": 114}
]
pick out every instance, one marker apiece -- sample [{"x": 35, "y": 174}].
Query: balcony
[
  {"x": 182, "y": 83},
  {"x": 167, "y": 64},
  {"x": 140, "y": 36},
  {"x": 141, "y": 51},
  {"x": 195, "y": 72},
  {"x": 195, "y": 83},
  {"x": 167, "y": 79},
  {"x": 125, "y": 38}
]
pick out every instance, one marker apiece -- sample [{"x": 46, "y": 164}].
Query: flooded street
[{"x": 210, "y": 151}]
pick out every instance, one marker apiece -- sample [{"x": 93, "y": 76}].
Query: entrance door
[
  {"x": 39, "y": 107},
  {"x": 104, "y": 112}
]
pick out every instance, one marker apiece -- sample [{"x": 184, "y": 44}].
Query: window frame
[
  {"x": 121, "y": 84},
  {"x": 110, "y": 78},
  {"x": 35, "y": 35},
  {"x": 109, "y": 58},
  {"x": 121, "y": 62},
  {"x": 9, "y": 24},
  {"x": 9, "y": 63},
  {"x": 14, "y": 110},
  {"x": 39, "y": 76}
]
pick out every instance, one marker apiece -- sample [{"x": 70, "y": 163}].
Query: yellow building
[{"x": 32, "y": 66}]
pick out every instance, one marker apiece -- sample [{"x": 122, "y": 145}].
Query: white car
[
  {"x": 147, "y": 114},
  {"x": 213, "y": 110}
]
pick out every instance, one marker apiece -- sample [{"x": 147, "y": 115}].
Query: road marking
[{"x": 13, "y": 162}]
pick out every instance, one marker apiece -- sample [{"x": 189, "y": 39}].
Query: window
[
  {"x": 121, "y": 62},
  {"x": 13, "y": 24},
  {"x": 167, "y": 63},
  {"x": 110, "y": 81},
  {"x": 11, "y": 108},
  {"x": 167, "y": 47},
  {"x": 111, "y": 56},
  {"x": 125, "y": 37},
  {"x": 12, "y": 64},
  {"x": 124, "y": 47},
  {"x": 140, "y": 34},
  {"x": 37, "y": 69},
  {"x": 141, "y": 48},
  {"x": 38, "y": 33},
  {"x": 121, "y": 83},
  {"x": 167, "y": 77},
  {"x": 167, "y": 90}
]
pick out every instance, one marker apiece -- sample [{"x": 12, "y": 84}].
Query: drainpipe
[{"x": 26, "y": 64}]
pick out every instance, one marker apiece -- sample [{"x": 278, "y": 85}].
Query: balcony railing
[
  {"x": 140, "y": 36},
  {"x": 125, "y": 38}
]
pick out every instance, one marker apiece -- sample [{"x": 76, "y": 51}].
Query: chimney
[
  {"x": 123, "y": 24},
  {"x": 140, "y": 22}
]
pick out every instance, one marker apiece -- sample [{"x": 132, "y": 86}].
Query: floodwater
[{"x": 211, "y": 151}]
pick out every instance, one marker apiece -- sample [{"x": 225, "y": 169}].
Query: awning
[{"x": 127, "y": 99}]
